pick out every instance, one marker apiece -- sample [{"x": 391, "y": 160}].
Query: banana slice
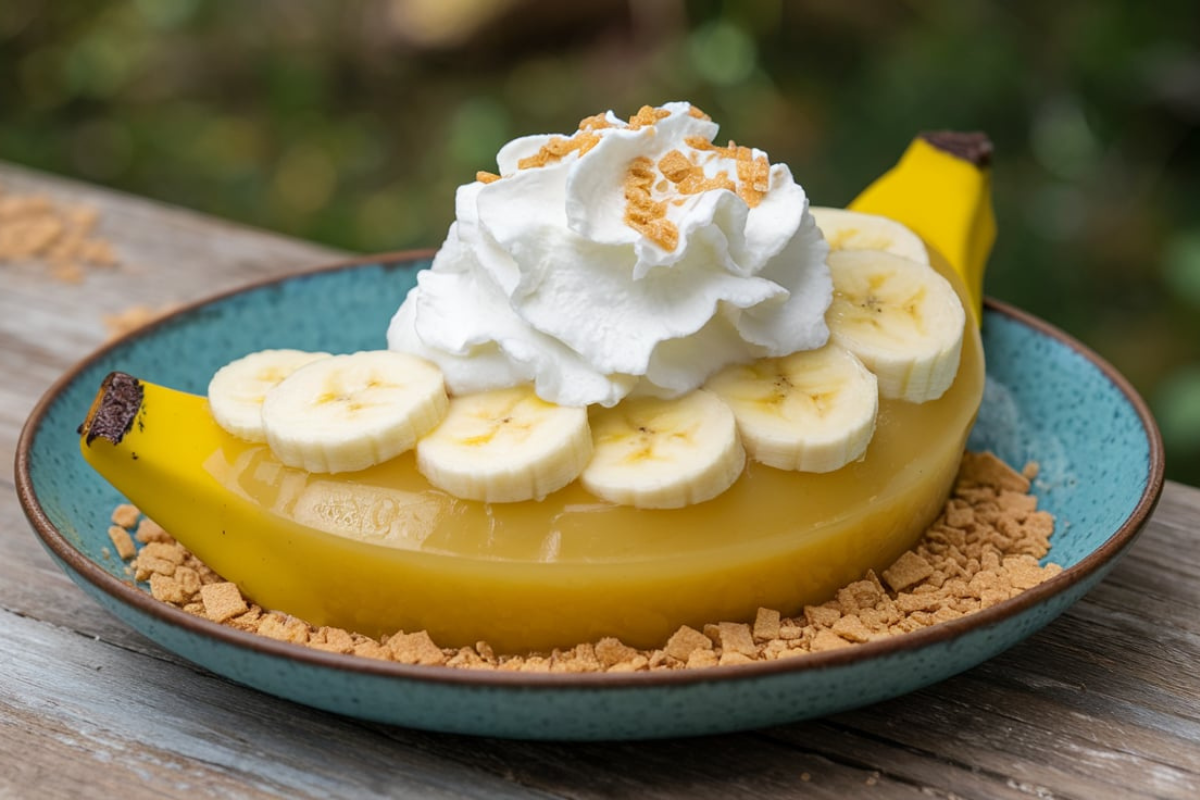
[
  {"x": 346, "y": 413},
  {"x": 901, "y": 318},
  {"x": 237, "y": 390},
  {"x": 656, "y": 453},
  {"x": 505, "y": 446},
  {"x": 812, "y": 411},
  {"x": 854, "y": 230}
]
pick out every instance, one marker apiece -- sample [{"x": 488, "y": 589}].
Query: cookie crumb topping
[
  {"x": 649, "y": 188},
  {"x": 983, "y": 549}
]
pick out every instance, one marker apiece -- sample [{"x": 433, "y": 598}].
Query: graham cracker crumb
[
  {"x": 150, "y": 531},
  {"x": 33, "y": 227},
  {"x": 685, "y": 642},
  {"x": 559, "y": 148},
  {"x": 125, "y": 515},
  {"x": 766, "y": 625},
  {"x": 466, "y": 657},
  {"x": 733, "y": 658},
  {"x": 283, "y": 627},
  {"x": 222, "y": 601},
  {"x": 828, "y": 640},
  {"x": 167, "y": 589},
  {"x": 675, "y": 166},
  {"x": 984, "y": 469},
  {"x": 370, "y": 648},
  {"x": 248, "y": 621},
  {"x": 611, "y": 651},
  {"x": 789, "y": 631},
  {"x": 415, "y": 648},
  {"x": 852, "y": 629},
  {"x": 735, "y": 637},
  {"x": 909, "y": 569},
  {"x": 594, "y": 123},
  {"x": 644, "y": 214},
  {"x": 823, "y": 615},
  {"x": 333, "y": 640},
  {"x": 647, "y": 116},
  {"x": 982, "y": 550},
  {"x": 122, "y": 542},
  {"x": 133, "y": 318}
]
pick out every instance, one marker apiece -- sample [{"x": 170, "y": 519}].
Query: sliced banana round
[
  {"x": 854, "y": 230},
  {"x": 812, "y": 411},
  {"x": 237, "y": 390},
  {"x": 505, "y": 446},
  {"x": 657, "y": 453},
  {"x": 902, "y": 319},
  {"x": 346, "y": 413}
]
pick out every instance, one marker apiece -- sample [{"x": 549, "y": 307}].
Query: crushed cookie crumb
[
  {"x": 283, "y": 627},
  {"x": 415, "y": 648},
  {"x": 675, "y": 166},
  {"x": 122, "y": 542},
  {"x": 34, "y": 227},
  {"x": 735, "y": 637},
  {"x": 559, "y": 148},
  {"x": 647, "y": 116},
  {"x": 766, "y": 625},
  {"x": 594, "y": 123},
  {"x": 133, "y": 318},
  {"x": 612, "y": 651},
  {"x": 908, "y": 570},
  {"x": 982, "y": 550},
  {"x": 825, "y": 639},
  {"x": 685, "y": 642},
  {"x": 125, "y": 515},
  {"x": 644, "y": 214},
  {"x": 222, "y": 601},
  {"x": 150, "y": 531}
]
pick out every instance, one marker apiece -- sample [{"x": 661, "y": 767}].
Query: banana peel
[
  {"x": 162, "y": 449},
  {"x": 941, "y": 189}
]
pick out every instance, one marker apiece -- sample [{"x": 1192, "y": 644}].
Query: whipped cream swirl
[{"x": 632, "y": 256}]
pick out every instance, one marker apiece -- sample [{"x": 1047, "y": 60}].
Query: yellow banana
[
  {"x": 941, "y": 189},
  {"x": 370, "y": 550}
]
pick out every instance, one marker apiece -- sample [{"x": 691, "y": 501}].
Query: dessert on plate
[{"x": 643, "y": 385}]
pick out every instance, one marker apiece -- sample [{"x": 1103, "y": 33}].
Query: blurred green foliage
[{"x": 352, "y": 123}]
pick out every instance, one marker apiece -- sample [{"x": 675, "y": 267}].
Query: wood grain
[{"x": 1103, "y": 703}]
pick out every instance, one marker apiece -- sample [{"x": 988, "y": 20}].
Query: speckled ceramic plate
[{"x": 1048, "y": 399}]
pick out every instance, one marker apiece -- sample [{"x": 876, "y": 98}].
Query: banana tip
[
  {"x": 114, "y": 409},
  {"x": 974, "y": 147}
]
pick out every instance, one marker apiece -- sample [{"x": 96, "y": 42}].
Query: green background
[{"x": 352, "y": 123}]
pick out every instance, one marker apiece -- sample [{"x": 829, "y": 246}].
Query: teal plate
[{"x": 1048, "y": 399}]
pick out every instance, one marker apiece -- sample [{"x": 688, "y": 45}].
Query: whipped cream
[{"x": 630, "y": 257}]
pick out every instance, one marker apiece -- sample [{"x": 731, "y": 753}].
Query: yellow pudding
[{"x": 380, "y": 550}]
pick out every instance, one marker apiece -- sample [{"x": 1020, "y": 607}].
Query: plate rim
[{"x": 141, "y": 601}]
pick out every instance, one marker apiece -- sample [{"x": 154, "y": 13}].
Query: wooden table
[{"x": 1105, "y": 702}]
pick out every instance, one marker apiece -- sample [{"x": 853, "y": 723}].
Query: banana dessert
[{"x": 644, "y": 384}]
